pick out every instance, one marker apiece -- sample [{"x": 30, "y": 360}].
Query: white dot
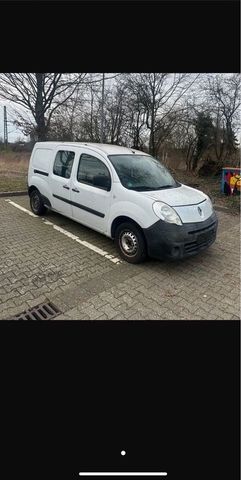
[{"x": 123, "y": 452}]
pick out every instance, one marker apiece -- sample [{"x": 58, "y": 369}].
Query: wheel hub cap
[
  {"x": 35, "y": 202},
  {"x": 129, "y": 243}
]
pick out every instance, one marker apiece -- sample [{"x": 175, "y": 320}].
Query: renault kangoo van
[{"x": 124, "y": 194}]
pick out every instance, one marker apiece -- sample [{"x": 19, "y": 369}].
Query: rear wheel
[
  {"x": 36, "y": 203},
  {"x": 130, "y": 243}
]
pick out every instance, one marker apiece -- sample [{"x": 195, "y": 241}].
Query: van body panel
[
  {"x": 91, "y": 205},
  {"x": 195, "y": 213},
  {"x": 131, "y": 204},
  {"x": 41, "y": 159},
  {"x": 73, "y": 190},
  {"x": 130, "y": 210},
  {"x": 60, "y": 187}
]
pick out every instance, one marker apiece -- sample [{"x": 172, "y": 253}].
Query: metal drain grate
[{"x": 44, "y": 311}]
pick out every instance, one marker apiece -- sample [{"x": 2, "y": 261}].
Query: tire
[
  {"x": 36, "y": 203},
  {"x": 130, "y": 242}
]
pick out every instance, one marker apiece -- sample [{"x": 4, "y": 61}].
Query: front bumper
[{"x": 167, "y": 240}]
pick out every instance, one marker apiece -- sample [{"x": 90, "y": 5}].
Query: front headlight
[{"x": 166, "y": 213}]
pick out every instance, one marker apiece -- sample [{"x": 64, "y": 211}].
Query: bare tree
[
  {"x": 155, "y": 112},
  {"x": 135, "y": 113},
  {"x": 159, "y": 93},
  {"x": 40, "y": 94},
  {"x": 115, "y": 114},
  {"x": 184, "y": 137},
  {"x": 223, "y": 95}
]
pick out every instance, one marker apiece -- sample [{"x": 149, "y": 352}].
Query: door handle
[
  {"x": 75, "y": 190},
  {"x": 66, "y": 186}
]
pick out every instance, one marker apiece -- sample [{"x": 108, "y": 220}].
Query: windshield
[{"x": 142, "y": 172}]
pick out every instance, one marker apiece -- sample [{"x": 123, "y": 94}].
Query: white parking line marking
[
  {"x": 98, "y": 250},
  {"x": 21, "y": 208},
  {"x": 123, "y": 474}
]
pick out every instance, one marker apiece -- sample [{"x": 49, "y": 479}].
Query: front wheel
[
  {"x": 130, "y": 243},
  {"x": 36, "y": 203}
]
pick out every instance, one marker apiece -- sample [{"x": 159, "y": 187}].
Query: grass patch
[
  {"x": 13, "y": 184},
  {"x": 13, "y": 163},
  {"x": 13, "y": 171}
]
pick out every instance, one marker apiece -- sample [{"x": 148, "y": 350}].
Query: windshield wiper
[
  {"x": 164, "y": 186},
  {"x": 141, "y": 188},
  {"x": 144, "y": 188}
]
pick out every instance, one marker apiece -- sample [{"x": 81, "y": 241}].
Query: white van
[{"x": 123, "y": 193}]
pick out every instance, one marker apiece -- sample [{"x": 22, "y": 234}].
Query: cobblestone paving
[{"x": 38, "y": 263}]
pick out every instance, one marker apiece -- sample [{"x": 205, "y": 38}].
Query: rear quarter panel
[{"x": 40, "y": 160}]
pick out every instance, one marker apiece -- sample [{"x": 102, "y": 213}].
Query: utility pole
[
  {"x": 102, "y": 110},
  {"x": 5, "y": 126}
]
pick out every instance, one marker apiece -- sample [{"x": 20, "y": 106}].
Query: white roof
[{"x": 108, "y": 149}]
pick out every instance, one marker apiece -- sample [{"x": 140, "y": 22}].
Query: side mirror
[{"x": 102, "y": 181}]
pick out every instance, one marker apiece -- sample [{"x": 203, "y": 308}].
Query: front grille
[
  {"x": 205, "y": 229},
  {"x": 203, "y": 241}
]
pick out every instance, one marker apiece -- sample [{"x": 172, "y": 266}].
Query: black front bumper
[{"x": 167, "y": 240}]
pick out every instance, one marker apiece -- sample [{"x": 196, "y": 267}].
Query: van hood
[
  {"x": 190, "y": 204},
  {"x": 176, "y": 197}
]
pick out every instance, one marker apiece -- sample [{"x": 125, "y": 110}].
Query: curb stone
[{"x": 13, "y": 194}]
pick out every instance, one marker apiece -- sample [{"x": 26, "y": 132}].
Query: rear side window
[
  {"x": 63, "y": 163},
  {"x": 91, "y": 170}
]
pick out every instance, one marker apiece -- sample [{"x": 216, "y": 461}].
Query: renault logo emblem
[{"x": 199, "y": 210}]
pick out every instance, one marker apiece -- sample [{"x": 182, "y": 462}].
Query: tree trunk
[
  {"x": 152, "y": 134},
  {"x": 41, "y": 129},
  {"x": 189, "y": 157},
  {"x": 91, "y": 113}
]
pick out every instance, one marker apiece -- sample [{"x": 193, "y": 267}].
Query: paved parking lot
[{"x": 78, "y": 270}]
